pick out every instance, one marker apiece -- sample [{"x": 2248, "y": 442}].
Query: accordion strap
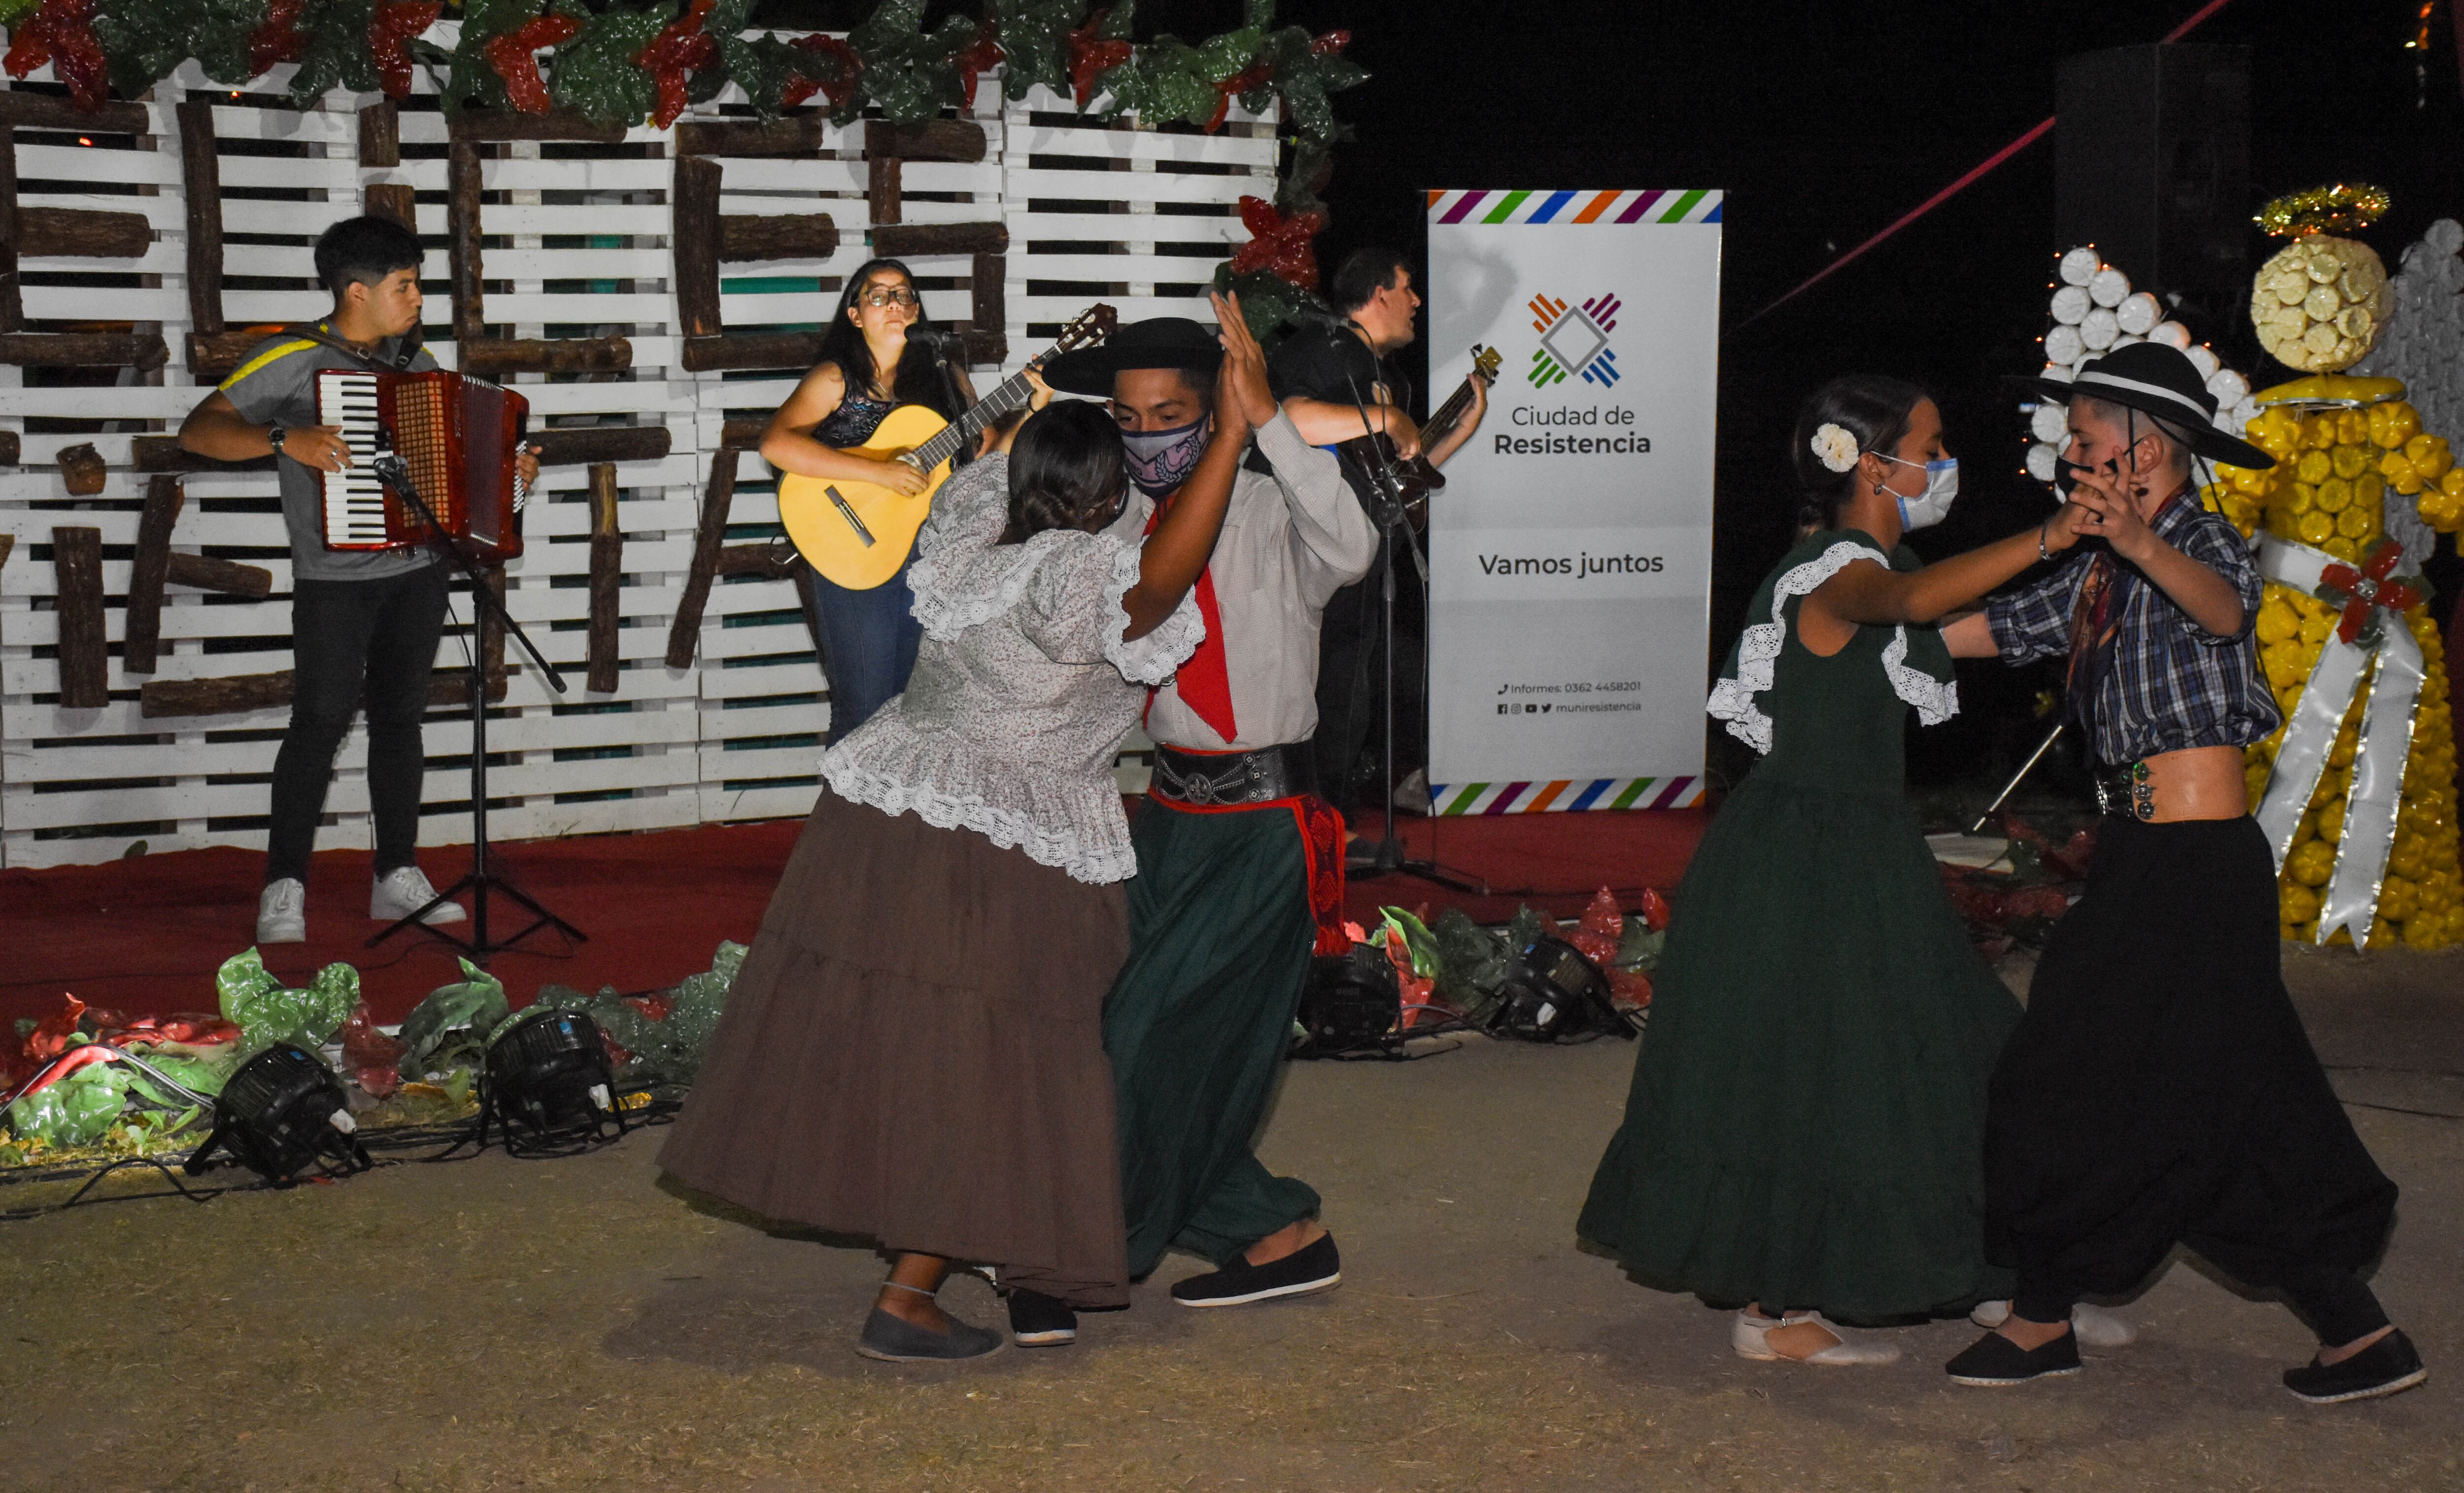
[{"x": 404, "y": 352}]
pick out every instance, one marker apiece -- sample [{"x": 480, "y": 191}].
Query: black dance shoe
[
  {"x": 2386, "y": 1367},
  {"x": 1315, "y": 1268},
  {"x": 1993, "y": 1360},
  {"x": 1040, "y": 1321}
]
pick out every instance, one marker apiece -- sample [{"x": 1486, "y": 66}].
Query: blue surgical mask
[
  {"x": 1162, "y": 460},
  {"x": 1933, "y": 505}
]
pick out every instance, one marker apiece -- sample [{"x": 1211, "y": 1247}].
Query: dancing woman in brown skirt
[{"x": 913, "y": 1052}]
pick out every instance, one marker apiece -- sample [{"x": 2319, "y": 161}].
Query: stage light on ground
[
  {"x": 549, "y": 1079},
  {"x": 1553, "y": 994},
  {"x": 280, "y": 1112}
]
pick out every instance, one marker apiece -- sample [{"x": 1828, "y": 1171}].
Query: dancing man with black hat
[
  {"x": 2160, "y": 1089},
  {"x": 1240, "y": 860}
]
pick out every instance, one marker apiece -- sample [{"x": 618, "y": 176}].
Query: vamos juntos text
[{"x": 1576, "y": 566}]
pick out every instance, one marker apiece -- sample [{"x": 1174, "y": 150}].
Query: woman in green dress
[{"x": 1803, "y": 1134}]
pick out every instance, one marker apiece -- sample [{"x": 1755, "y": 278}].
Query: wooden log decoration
[
  {"x": 593, "y": 444},
  {"x": 7, "y": 546},
  {"x": 462, "y": 240},
  {"x": 933, "y": 140},
  {"x": 684, "y": 634},
  {"x": 882, "y": 186},
  {"x": 472, "y": 127},
  {"x": 211, "y": 573},
  {"x": 395, "y": 200},
  {"x": 85, "y": 657},
  {"x": 142, "y": 635},
  {"x": 744, "y": 432},
  {"x": 13, "y": 305},
  {"x": 762, "y": 350},
  {"x": 214, "y": 355},
  {"x": 77, "y": 232},
  {"x": 144, "y": 351},
  {"x": 694, "y": 193},
  {"x": 606, "y": 579},
  {"x": 201, "y": 178},
  {"x": 774, "y": 560},
  {"x": 494, "y": 357},
  {"x": 82, "y": 469},
  {"x": 381, "y": 134},
  {"x": 26, "y": 109},
  {"x": 165, "y": 453},
  {"x": 9, "y": 448},
  {"x": 781, "y": 235},
  {"x": 793, "y": 135},
  {"x": 988, "y": 282},
  {"x": 915, "y": 240}
]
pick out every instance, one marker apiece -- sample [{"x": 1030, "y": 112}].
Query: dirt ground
[{"x": 495, "y": 1323}]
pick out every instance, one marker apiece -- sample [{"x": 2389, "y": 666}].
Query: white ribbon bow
[{"x": 2372, "y": 808}]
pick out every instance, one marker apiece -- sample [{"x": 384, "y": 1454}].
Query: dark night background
[{"x": 1823, "y": 124}]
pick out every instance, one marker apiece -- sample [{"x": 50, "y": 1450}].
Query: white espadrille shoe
[{"x": 1751, "y": 1337}]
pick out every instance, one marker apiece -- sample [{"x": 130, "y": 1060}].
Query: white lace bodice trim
[
  {"x": 1733, "y": 700},
  {"x": 1153, "y": 659},
  {"x": 1096, "y": 860}
]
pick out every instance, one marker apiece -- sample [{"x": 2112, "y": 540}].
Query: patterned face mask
[{"x": 1162, "y": 460}]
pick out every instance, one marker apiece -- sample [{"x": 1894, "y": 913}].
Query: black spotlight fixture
[
  {"x": 1553, "y": 994},
  {"x": 549, "y": 1080},
  {"x": 1350, "y": 1002},
  {"x": 281, "y": 1112}
]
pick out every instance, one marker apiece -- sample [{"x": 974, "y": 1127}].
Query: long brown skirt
[{"x": 914, "y": 1053}]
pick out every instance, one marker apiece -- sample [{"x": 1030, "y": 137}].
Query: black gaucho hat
[
  {"x": 1156, "y": 343},
  {"x": 2156, "y": 379}
]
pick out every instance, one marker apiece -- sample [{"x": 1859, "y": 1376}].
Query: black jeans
[{"x": 352, "y": 640}]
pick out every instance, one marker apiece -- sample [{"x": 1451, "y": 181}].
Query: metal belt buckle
[
  {"x": 2104, "y": 800},
  {"x": 2143, "y": 792}
]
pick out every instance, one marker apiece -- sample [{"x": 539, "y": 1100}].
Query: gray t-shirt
[{"x": 276, "y": 384}]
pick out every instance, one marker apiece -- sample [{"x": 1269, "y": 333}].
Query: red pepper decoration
[
  {"x": 839, "y": 87},
  {"x": 279, "y": 39},
  {"x": 672, "y": 56},
  {"x": 389, "y": 41},
  {"x": 1089, "y": 57},
  {"x": 983, "y": 55},
  {"x": 512, "y": 56},
  {"x": 2362, "y": 590},
  {"x": 1278, "y": 243},
  {"x": 61, "y": 34},
  {"x": 1330, "y": 43},
  {"x": 1257, "y": 74}
]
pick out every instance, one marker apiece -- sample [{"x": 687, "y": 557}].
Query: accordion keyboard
[{"x": 355, "y": 500}]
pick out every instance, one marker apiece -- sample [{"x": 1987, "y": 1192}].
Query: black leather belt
[{"x": 1206, "y": 780}]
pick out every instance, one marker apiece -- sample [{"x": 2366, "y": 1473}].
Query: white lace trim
[
  {"x": 1056, "y": 847},
  {"x": 1733, "y": 700},
  {"x": 945, "y": 615},
  {"x": 1157, "y": 656}
]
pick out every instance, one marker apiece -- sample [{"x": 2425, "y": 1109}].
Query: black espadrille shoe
[
  {"x": 1994, "y": 1360},
  {"x": 1314, "y": 1269},
  {"x": 898, "y": 1340},
  {"x": 2389, "y": 1366},
  {"x": 1040, "y": 1321}
]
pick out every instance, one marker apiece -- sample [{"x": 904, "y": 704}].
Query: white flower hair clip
[{"x": 1836, "y": 448}]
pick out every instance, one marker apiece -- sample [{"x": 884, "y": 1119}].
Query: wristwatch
[{"x": 273, "y": 438}]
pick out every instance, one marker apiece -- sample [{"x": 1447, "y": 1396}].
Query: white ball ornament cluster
[{"x": 2096, "y": 311}]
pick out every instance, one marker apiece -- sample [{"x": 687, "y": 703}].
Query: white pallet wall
[{"x": 1095, "y": 212}]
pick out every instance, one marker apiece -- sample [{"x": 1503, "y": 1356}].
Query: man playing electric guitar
[{"x": 1333, "y": 380}]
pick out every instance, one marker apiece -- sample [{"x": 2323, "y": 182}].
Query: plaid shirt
[{"x": 2172, "y": 684}]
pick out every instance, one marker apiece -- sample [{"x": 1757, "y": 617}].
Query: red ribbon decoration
[
  {"x": 837, "y": 89},
  {"x": 390, "y": 37},
  {"x": 1088, "y": 57},
  {"x": 983, "y": 55},
  {"x": 2369, "y": 587},
  {"x": 672, "y": 56},
  {"x": 1257, "y": 74},
  {"x": 279, "y": 40},
  {"x": 513, "y": 56},
  {"x": 61, "y": 34},
  {"x": 1278, "y": 243}
]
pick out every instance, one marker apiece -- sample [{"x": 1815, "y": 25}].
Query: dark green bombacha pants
[{"x": 1198, "y": 1023}]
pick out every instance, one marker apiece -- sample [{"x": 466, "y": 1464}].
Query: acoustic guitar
[
  {"x": 859, "y": 533},
  {"x": 1410, "y": 482}
]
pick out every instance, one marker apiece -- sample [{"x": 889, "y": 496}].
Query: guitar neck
[
  {"x": 961, "y": 432},
  {"x": 1442, "y": 418}
]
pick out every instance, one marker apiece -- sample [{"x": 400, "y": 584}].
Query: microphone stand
[
  {"x": 1394, "y": 527},
  {"x": 395, "y": 474}
]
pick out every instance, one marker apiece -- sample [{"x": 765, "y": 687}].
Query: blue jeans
[{"x": 869, "y": 641}]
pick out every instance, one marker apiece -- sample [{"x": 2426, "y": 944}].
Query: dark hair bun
[
  {"x": 1872, "y": 407},
  {"x": 1065, "y": 468}
]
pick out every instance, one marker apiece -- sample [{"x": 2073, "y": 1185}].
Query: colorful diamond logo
[{"x": 1575, "y": 341}]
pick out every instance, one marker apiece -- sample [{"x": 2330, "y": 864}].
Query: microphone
[{"x": 938, "y": 340}]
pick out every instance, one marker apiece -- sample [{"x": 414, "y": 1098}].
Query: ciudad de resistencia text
[{"x": 1628, "y": 444}]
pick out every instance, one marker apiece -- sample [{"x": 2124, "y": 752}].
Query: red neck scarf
[{"x": 1204, "y": 681}]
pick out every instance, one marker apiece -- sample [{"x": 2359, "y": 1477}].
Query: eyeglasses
[{"x": 879, "y": 299}]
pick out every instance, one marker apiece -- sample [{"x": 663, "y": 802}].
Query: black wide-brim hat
[
  {"x": 2156, "y": 379},
  {"x": 1156, "y": 343}
]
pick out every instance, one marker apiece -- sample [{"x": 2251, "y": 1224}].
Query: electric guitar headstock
[{"x": 1484, "y": 363}]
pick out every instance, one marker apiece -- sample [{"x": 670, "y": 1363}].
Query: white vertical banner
[{"x": 1570, "y": 555}]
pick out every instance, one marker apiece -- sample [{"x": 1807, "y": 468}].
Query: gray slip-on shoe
[{"x": 896, "y": 1340}]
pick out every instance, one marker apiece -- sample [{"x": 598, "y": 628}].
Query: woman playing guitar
[{"x": 868, "y": 368}]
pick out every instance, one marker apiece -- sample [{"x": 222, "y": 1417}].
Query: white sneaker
[
  {"x": 402, "y": 891},
  {"x": 282, "y": 911},
  {"x": 1750, "y": 1335},
  {"x": 2097, "y": 1327}
]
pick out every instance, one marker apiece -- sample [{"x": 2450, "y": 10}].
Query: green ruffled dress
[{"x": 1806, "y": 1124}]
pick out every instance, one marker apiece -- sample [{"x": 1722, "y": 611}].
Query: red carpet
[{"x": 147, "y": 934}]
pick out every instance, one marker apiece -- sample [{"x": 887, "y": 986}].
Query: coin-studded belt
[
  {"x": 1208, "y": 780},
  {"x": 2125, "y": 790}
]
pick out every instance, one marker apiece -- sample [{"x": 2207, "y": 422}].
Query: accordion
[{"x": 457, "y": 436}]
